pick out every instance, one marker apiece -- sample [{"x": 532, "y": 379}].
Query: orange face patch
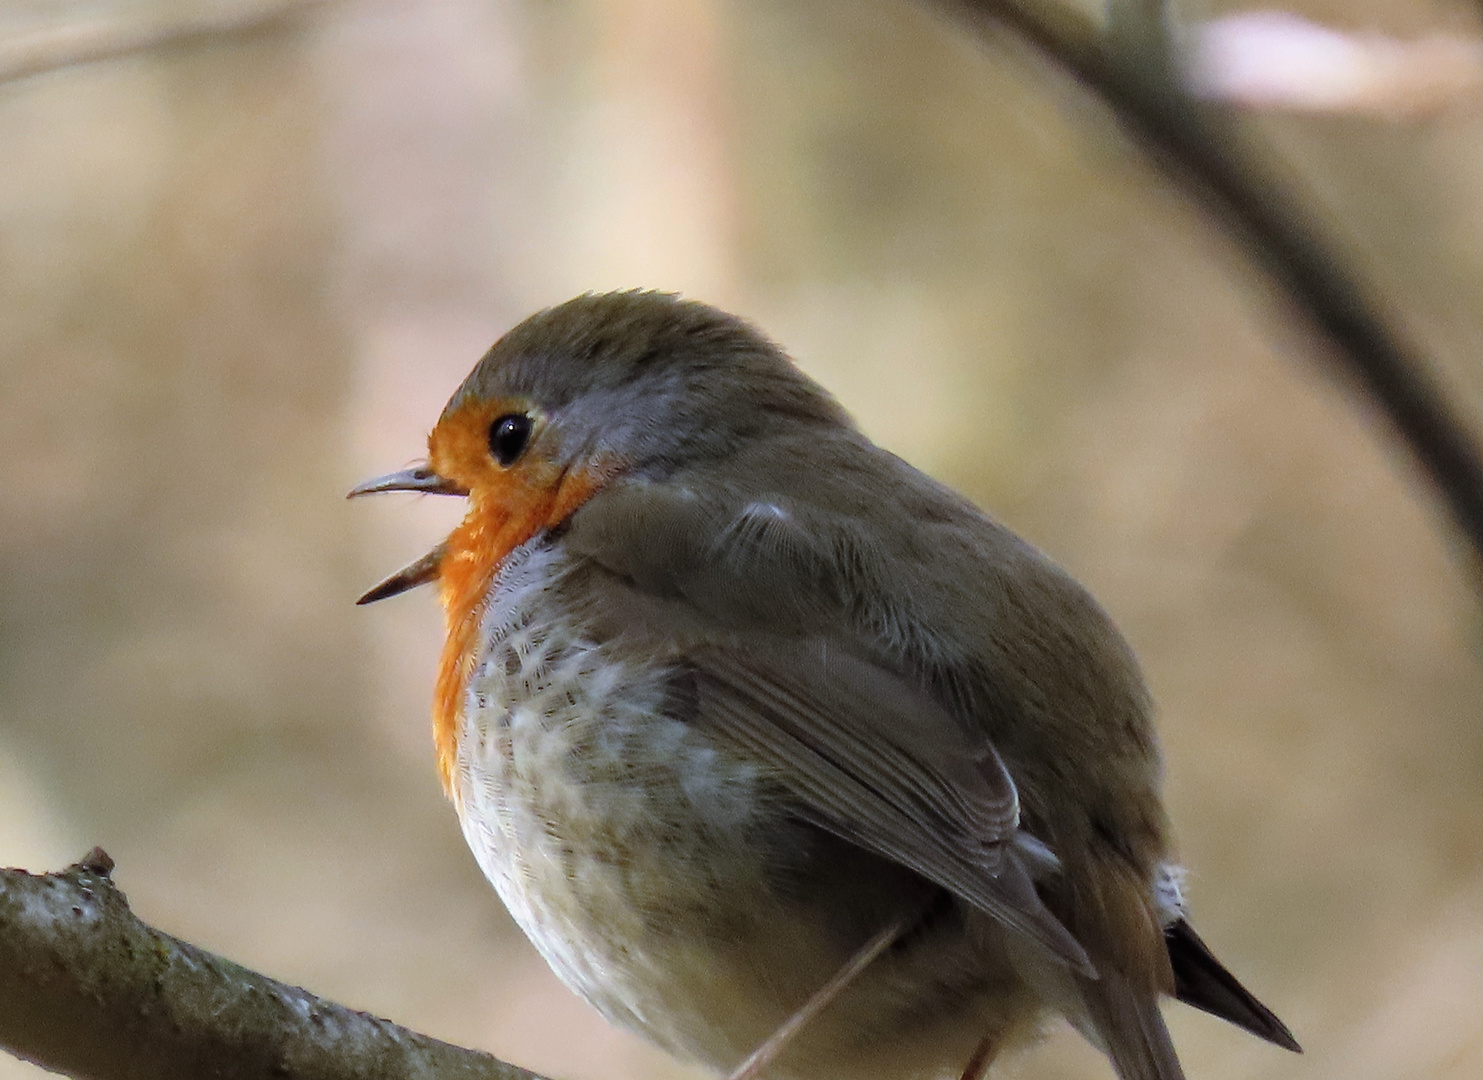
[{"x": 507, "y": 506}]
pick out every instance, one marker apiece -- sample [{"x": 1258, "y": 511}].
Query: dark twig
[
  {"x": 88, "y": 990},
  {"x": 1198, "y": 143},
  {"x": 89, "y": 42}
]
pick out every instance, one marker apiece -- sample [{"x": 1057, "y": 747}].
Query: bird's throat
[{"x": 493, "y": 528}]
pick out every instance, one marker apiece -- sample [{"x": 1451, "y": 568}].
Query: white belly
[
  {"x": 599, "y": 821},
  {"x": 642, "y": 861}
]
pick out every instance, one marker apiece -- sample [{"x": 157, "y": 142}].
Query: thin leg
[
  {"x": 978, "y": 1065},
  {"x": 763, "y": 1056}
]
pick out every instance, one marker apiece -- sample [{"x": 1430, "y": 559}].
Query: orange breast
[{"x": 496, "y": 525}]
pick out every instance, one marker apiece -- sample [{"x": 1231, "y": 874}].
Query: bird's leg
[
  {"x": 978, "y": 1065},
  {"x": 763, "y": 1056}
]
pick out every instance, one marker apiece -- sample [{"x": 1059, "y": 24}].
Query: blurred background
[{"x": 241, "y": 273}]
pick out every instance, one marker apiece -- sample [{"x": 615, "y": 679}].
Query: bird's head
[{"x": 599, "y": 390}]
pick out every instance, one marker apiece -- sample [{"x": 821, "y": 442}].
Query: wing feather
[
  {"x": 745, "y": 599},
  {"x": 881, "y": 765}
]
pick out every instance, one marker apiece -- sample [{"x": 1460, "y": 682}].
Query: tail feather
[
  {"x": 1130, "y": 1028},
  {"x": 1200, "y": 980}
]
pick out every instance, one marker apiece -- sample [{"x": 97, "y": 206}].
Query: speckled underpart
[
  {"x": 579, "y": 800},
  {"x": 597, "y": 818}
]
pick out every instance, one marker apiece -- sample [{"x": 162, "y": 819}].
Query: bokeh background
[{"x": 239, "y": 274}]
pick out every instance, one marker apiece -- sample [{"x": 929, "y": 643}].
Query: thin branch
[
  {"x": 1138, "y": 34},
  {"x": 88, "y": 990},
  {"x": 773, "y": 1045},
  {"x": 85, "y": 43},
  {"x": 1199, "y": 144}
]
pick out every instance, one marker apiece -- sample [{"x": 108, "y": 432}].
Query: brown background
[{"x": 237, "y": 277}]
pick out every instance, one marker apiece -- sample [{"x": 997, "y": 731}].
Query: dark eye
[{"x": 508, "y": 436}]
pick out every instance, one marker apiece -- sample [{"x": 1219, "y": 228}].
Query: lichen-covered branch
[
  {"x": 88, "y": 990},
  {"x": 1200, "y": 145}
]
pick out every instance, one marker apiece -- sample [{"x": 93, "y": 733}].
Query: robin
[{"x": 783, "y": 754}]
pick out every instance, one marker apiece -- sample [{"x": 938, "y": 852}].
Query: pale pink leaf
[{"x": 1277, "y": 60}]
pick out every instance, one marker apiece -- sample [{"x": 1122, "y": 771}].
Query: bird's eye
[{"x": 508, "y": 436}]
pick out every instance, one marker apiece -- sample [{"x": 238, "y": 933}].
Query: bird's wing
[
  {"x": 749, "y": 601},
  {"x": 877, "y": 762},
  {"x": 1128, "y": 1025}
]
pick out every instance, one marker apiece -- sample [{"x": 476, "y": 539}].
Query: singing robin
[{"x": 783, "y": 754}]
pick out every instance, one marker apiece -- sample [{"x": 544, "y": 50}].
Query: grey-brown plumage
[{"x": 764, "y": 688}]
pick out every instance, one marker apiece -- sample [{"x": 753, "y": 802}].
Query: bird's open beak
[
  {"x": 422, "y": 479},
  {"x": 418, "y": 573},
  {"x": 418, "y": 478}
]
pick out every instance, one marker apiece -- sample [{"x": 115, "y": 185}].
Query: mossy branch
[{"x": 88, "y": 990}]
